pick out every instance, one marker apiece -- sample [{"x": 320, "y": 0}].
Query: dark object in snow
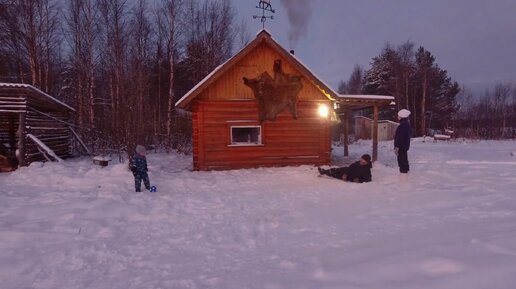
[
  {"x": 153, "y": 189},
  {"x": 101, "y": 161},
  {"x": 441, "y": 137}
]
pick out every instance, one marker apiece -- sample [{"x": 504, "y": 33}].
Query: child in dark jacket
[
  {"x": 138, "y": 166},
  {"x": 358, "y": 172}
]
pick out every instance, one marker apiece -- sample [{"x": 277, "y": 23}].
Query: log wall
[{"x": 286, "y": 141}]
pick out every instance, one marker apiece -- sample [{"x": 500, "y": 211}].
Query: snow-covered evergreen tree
[
  {"x": 380, "y": 79},
  {"x": 416, "y": 82}
]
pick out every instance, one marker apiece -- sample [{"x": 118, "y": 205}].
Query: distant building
[{"x": 364, "y": 128}]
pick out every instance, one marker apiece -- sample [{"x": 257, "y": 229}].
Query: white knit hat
[
  {"x": 404, "y": 113},
  {"x": 141, "y": 149}
]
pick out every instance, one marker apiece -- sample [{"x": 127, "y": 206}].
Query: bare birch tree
[
  {"x": 173, "y": 31},
  {"x": 125, "y": 69},
  {"x": 113, "y": 20},
  {"x": 502, "y": 93},
  {"x": 82, "y": 27},
  {"x": 30, "y": 31},
  {"x": 139, "y": 52}
]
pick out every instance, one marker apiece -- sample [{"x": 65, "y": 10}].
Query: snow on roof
[
  {"x": 263, "y": 30},
  {"x": 366, "y": 96},
  {"x": 23, "y": 85},
  {"x": 45, "y": 147}
]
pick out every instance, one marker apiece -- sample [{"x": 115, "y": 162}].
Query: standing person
[
  {"x": 402, "y": 141},
  {"x": 358, "y": 172},
  {"x": 138, "y": 166}
]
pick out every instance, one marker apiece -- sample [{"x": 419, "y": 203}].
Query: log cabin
[
  {"x": 264, "y": 107},
  {"x": 34, "y": 126}
]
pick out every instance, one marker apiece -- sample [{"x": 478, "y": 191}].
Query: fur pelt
[{"x": 274, "y": 95}]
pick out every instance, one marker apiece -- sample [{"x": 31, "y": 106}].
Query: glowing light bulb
[{"x": 324, "y": 111}]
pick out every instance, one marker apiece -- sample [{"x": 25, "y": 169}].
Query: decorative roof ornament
[{"x": 265, "y": 6}]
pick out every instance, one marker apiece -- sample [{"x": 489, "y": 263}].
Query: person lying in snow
[
  {"x": 138, "y": 166},
  {"x": 358, "y": 172}
]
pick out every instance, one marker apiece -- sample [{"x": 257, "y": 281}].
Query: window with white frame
[{"x": 246, "y": 135}]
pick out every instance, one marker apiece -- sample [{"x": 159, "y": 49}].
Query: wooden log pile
[{"x": 53, "y": 132}]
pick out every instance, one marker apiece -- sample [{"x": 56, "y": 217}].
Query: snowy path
[{"x": 452, "y": 225}]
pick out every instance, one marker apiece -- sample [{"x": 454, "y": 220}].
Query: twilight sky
[{"x": 474, "y": 40}]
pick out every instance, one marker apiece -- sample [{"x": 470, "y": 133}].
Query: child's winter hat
[
  {"x": 366, "y": 157},
  {"x": 141, "y": 149},
  {"x": 404, "y": 113}
]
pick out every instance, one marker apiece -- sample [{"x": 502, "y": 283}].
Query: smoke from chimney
[{"x": 299, "y": 13}]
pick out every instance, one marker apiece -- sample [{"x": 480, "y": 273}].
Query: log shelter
[
  {"x": 28, "y": 114},
  {"x": 240, "y": 119}
]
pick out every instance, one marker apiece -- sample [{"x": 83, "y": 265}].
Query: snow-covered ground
[{"x": 451, "y": 225}]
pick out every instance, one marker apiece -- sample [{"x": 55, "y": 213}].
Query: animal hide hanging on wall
[{"x": 275, "y": 94}]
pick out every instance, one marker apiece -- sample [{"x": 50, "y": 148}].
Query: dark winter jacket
[
  {"x": 358, "y": 172},
  {"x": 402, "y": 135},
  {"x": 138, "y": 164}
]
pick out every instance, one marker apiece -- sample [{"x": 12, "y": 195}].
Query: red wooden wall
[{"x": 285, "y": 141}]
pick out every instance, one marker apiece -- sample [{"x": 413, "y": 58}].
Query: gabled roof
[
  {"x": 262, "y": 37},
  {"x": 353, "y": 102},
  {"x": 36, "y": 92}
]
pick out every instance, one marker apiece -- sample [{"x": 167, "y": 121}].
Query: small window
[{"x": 246, "y": 135}]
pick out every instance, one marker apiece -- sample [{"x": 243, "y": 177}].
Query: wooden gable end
[{"x": 230, "y": 86}]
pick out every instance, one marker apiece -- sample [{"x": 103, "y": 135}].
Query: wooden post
[
  {"x": 21, "y": 140},
  {"x": 375, "y": 133},
  {"x": 346, "y": 132},
  {"x": 12, "y": 133}
]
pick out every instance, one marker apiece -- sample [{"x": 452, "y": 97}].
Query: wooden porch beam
[
  {"x": 12, "y": 133},
  {"x": 375, "y": 133},
  {"x": 21, "y": 140},
  {"x": 345, "y": 118},
  {"x": 359, "y": 105}
]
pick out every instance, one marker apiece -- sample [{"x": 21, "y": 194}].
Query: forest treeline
[
  {"x": 491, "y": 115},
  {"x": 122, "y": 64},
  {"x": 437, "y": 103}
]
